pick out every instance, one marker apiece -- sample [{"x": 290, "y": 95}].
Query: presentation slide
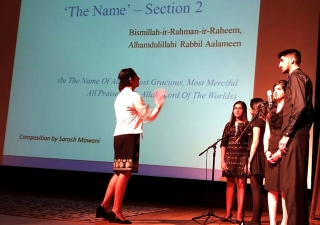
[{"x": 64, "y": 83}]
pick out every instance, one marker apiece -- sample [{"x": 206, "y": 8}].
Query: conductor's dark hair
[{"x": 124, "y": 76}]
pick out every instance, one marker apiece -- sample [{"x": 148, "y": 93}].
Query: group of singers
[{"x": 277, "y": 139}]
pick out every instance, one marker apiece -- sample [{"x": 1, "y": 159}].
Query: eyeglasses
[{"x": 238, "y": 108}]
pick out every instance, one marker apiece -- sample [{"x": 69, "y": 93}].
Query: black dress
[
  {"x": 258, "y": 161},
  {"x": 236, "y": 153},
  {"x": 272, "y": 171}
]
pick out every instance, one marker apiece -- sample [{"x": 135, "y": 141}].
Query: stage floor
[{"x": 169, "y": 214}]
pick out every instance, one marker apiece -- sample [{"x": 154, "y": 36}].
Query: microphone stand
[
  {"x": 210, "y": 211},
  {"x": 249, "y": 147}
]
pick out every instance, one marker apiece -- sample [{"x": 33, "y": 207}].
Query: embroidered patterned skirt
[{"x": 126, "y": 153}]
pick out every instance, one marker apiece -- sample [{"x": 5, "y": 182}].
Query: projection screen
[{"x": 206, "y": 54}]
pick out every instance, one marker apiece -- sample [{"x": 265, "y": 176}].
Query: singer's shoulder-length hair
[
  {"x": 282, "y": 83},
  {"x": 273, "y": 118},
  {"x": 124, "y": 76},
  {"x": 244, "y": 116},
  {"x": 257, "y": 104}
]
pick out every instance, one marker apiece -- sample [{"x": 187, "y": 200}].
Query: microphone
[{"x": 270, "y": 103}]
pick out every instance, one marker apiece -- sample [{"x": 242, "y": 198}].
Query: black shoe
[
  {"x": 238, "y": 221},
  {"x": 101, "y": 213},
  {"x": 228, "y": 219},
  {"x": 114, "y": 219}
]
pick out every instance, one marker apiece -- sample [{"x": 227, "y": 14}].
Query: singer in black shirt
[{"x": 298, "y": 114}]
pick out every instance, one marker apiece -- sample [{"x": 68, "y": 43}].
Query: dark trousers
[{"x": 294, "y": 178}]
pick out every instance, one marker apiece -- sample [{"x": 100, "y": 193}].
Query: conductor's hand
[
  {"x": 159, "y": 97},
  {"x": 161, "y": 101}
]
